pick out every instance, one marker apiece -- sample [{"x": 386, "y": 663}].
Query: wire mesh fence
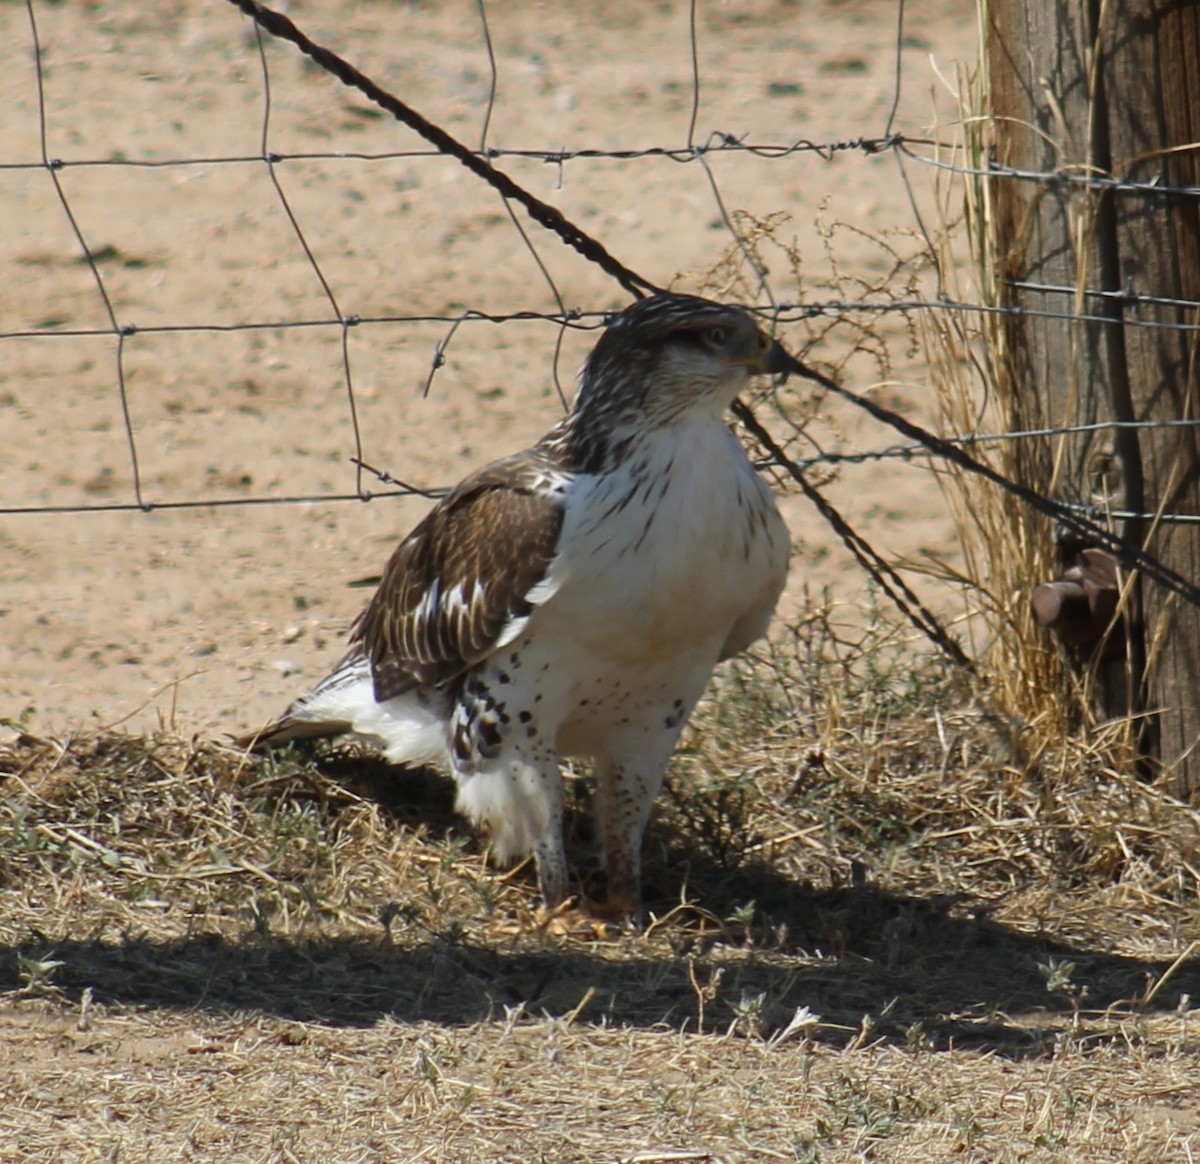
[
  {"x": 237, "y": 282},
  {"x": 105, "y": 311}
]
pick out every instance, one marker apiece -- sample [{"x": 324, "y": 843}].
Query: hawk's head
[{"x": 669, "y": 357}]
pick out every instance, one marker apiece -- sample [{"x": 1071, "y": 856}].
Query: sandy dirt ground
[{"x": 208, "y": 619}]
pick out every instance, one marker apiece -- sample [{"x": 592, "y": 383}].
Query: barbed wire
[
  {"x": 481, "y": 162},
  {"x": 784, "y": 312},
  {"x": 905, "y": 452},
  {"x": 718, "y": 142},
  {"x": 1154, "y": 188}
]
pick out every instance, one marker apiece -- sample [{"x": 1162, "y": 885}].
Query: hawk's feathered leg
[{"x": 629, "y": 776}]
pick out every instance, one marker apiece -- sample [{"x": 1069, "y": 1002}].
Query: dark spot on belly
[
  {"x": 489, "y": 733},
  {"x": 524, "y": 716}
]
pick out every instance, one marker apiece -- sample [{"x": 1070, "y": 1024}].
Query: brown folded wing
[{"x": 455, "y": 586}]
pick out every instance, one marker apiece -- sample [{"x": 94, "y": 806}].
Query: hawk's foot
[{"x": 584, "y": 920}]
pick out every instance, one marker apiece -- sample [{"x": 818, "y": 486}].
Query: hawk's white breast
[{"x": 663, "y": 555}]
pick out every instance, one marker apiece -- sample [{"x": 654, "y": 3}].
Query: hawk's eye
[{"x": 717, "y": 336}]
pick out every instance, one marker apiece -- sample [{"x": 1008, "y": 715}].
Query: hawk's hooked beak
[{"x": 773, "y": 359}]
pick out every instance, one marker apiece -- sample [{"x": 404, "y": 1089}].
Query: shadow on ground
[
  {"x": 902, "y": 962},
  {"x": 935, "y": 968}
]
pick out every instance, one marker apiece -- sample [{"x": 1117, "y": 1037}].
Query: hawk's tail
[
  {"x": 408, "y": 729},
  {"x": 327, "y": 710},
  {"x": 287, "y": 729}
]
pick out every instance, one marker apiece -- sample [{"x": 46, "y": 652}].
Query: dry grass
[
  {"x": 208, "y": 958},
  {"x": 1006, "y": 547}
]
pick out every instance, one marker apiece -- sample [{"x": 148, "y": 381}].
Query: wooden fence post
[{"x": 1081, "y": 88}]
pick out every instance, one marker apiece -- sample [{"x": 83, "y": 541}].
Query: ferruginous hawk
[{"x": 573, "y": 599}]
